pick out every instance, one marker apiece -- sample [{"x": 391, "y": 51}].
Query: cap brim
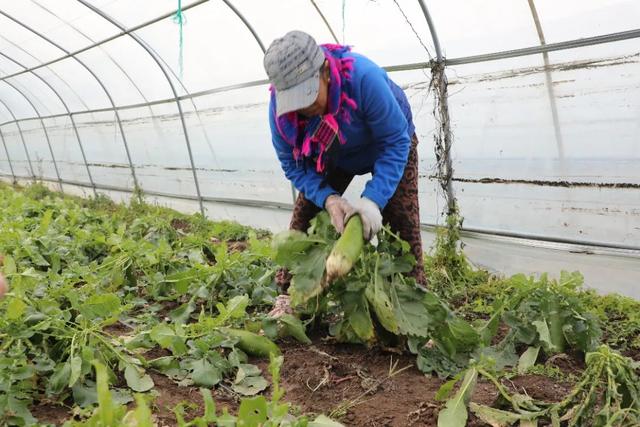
[{"x": 299, "y": 96}]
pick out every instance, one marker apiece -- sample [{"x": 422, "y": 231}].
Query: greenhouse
[{"x": 159, "y": 264}]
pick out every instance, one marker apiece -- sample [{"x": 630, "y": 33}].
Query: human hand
[
  {"x": 370, "y": 215},
  {"x": 339, "y": 210}
]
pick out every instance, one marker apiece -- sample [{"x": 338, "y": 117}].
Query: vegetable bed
[{"x": 139, "y": 315}]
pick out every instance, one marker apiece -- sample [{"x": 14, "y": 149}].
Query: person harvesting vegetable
[{"x": 335, "y": 114}]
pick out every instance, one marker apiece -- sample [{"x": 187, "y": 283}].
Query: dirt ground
[{"x": 356, "y": 385}]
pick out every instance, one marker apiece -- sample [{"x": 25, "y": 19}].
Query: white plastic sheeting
[{"x": 548, "y": 147}]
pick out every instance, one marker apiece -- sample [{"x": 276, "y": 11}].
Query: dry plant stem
[
  {"x": 443, "y": 137},
  {"x": 358, "y": 400}
]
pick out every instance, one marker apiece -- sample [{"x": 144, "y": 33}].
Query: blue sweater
[{"x": 378, "y": 138}]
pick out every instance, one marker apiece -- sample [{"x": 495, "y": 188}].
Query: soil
[
  {"x": 181, "y": 225},
  {"x": 50, "y": 412},
  {"x": 351, "y": 383}
]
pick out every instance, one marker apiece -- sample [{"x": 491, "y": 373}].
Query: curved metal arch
[
  {"x": 66, "y": 107},
  {"x": 6, "y": 150},
  {"x": 24, "y": 145},
  {"x": 326, "y": 22},
  {"x": 548, "y": 80},
  {"x": 246, "y": 23},
  {"x": 69, "y": 54},
  {"x": 93, "y": 74},
  {"x": 76, "y": 29},
  {"x": 156, "y": 59},
  {"x": 146, "y": 103},
  {"x": 64, "y": 81},
  {"x": 432, "y": 30},
  {"x": 44, "y": 129}
]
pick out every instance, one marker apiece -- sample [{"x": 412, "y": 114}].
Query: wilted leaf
[
  {"x": 494, "y": 417},
  {"x": 543, "y": 333},
  {"x": 528, "y": 359},
  {"x": 324, "y": 421}
]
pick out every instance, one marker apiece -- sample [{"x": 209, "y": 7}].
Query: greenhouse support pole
[
  {"x": 44, "y": 129},
  {"x": 171, "y": 85},
  {"x": 93, "y": 74},
  {"x": 24, "y": 144},
  {"x": 6, "y": 150},
  {"x": 443, "y": 137},
  {"x": 548, "y": 81},
  {"x": 255, "y": 36},
  {"x": 64, "y": 104}
]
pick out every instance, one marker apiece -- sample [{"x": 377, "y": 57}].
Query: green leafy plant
[
  {"x": 256, "y": 411},
  {"x": 111, "y": 414}
]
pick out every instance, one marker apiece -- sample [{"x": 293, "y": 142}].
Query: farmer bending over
[{"x": 335, "y": 114}]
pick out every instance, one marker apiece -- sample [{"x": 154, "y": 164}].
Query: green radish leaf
[
  {"x": 270, "y": 327},
  {"x": 137, "y": 379},
  {"x": 209, "y": 406},
  {"x": 9, "y": 265},
  {"x": 100, "y": 306},
  {"x": 250, "y": 386},
  {"x": 15, "y": 309},
  {"x": 308, "y": 273},
  {"x": 235, "y": 309},
  {"x": 76, "y": 369},
  {"x": 411, "y": 314},
  {"x": 141, "y": 415},
  {"x": 182, "y": 314},
  {"x": 293, "y": 327},
  {"x": 204, "y": 373},
  {"x": 105, "y": 400},
  {"x": 445, "y": 389},
  {"x": 528, "y": 359},
  {"x": 381, "y": 304},
  {"x": 253, "y": 412},
  {"x": 455, "y": 413},
  {"x": 543, "y": 333},
  {"x": 164, "y": 335},
  {"x": 357, "y": 314},
  {"x": 60, "y": 378},
  {"x": 249, "y": 380},
  {"x": 85, "y": 395}
]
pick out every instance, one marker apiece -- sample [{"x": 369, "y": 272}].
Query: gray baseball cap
[{"x": 293, "y": 65}]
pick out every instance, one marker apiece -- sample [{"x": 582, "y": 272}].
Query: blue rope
[{"x": 179, "y": 19}]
